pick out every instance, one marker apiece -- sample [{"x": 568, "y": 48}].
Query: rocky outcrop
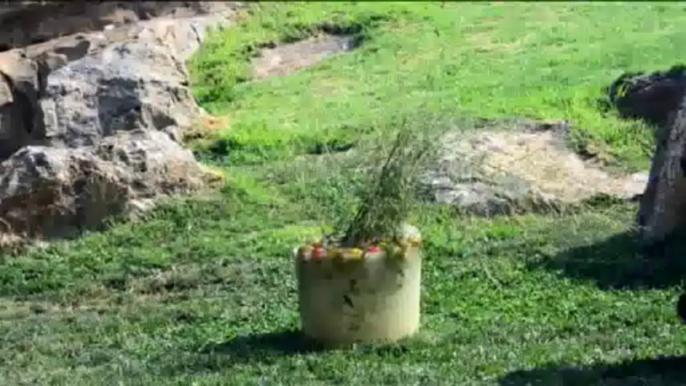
[
  {"x": 126, "y": 86},
  {"x": 31, "y": 22},
  {"x": 74, "y": 90},
  {"x": 90, "y": 122},
  {"x": 51, "y": 191}
]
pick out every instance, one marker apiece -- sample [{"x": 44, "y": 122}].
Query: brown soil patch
[
  {"x": 496, "y": 171},
  {"x": 205, "y": 128},
  {"x": 540, "y": 159},
  {"x": 289, "y": 58}
]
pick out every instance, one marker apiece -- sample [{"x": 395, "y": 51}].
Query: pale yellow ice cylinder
[{"x": 370, "y": 299}]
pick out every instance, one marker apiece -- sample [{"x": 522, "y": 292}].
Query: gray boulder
[
  {"x": 76, "y": 89},
  {"x": 26, "y": 23},
  {"x": 91, "y": 124},
  {"x": 127, "y": 86},
  {"x": 55, "y": 192}
]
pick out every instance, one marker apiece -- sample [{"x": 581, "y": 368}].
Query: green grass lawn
[
  {"x": 535, "y": 60},
  {"x": 202, "y": 291}
]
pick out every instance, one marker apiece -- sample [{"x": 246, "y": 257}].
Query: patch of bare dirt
[
  {"x": 288, "y": 58},
  {"x": 498, "y": 171}
]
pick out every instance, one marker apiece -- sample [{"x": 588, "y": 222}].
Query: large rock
[
  {"x": 651, "y": 97},
  {"x": 663, "y": 205},
  {"x": 34, "y": 22},
  {"x": 74, "y": 90},
  {"x": 54, "y": 192},
  {"x": 90, "y": 122},
  {"x": 127, "y": 86},
  {"x": 659, "y": 99}
]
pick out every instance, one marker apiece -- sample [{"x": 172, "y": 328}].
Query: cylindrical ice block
[{"x": 369, "y": 298}]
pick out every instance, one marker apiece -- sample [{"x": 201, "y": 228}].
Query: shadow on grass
[
  {"x": 621, "y": 262},
  {"x": 266, "y": 346},
  {"x": 270, "y": 348},
  {"x": 659, "y": 371}
]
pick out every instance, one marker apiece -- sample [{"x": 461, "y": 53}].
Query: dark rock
[
  {"x": 20, "y": 116},
  {"x": 662, "y": 207},
  {"x": 651, "y": 97},
  {"x": 681, "y": 307}
]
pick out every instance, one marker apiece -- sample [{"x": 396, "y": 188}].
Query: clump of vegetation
[{"x": 389, "y": 196}]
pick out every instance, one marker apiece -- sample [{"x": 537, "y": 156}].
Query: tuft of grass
[{"x": 389, "y": 197}]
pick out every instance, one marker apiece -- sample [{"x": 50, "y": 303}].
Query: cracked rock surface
[{"x": 79, "y": 78}]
